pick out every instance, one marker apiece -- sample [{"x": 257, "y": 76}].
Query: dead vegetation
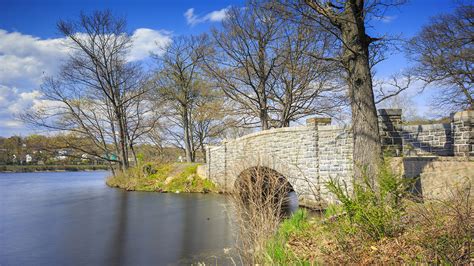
[
  {"x": 258, "y": 198},
  {"x": 433, "y": 232},
  {"x": 373, "y": 225}
]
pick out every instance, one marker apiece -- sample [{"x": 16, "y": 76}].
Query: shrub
[{"x": 374, "y": 210}]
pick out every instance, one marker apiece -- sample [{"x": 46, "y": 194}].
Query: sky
[{"x": 30, "y": 45}]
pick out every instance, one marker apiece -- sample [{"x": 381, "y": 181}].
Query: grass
[
  {"x": 176, "y": 177},
  {"x": 379, "y": 226},
  {"x": 292, "y": 229}
]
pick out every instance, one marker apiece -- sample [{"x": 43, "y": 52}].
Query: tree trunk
[
  {"x": 187, "y": 137},
  {"x": 264, "y": 119},
  {"x": 122, "y": 141},
  {"x": 203, "y": 151},
  {"x": 367, "y": 154}
]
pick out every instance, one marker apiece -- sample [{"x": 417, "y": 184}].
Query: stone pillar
[
  {"x": 208, "y": 161},
  {"x": 463, "y": 133},
  {"x": 314, "y": 121},
  {"x": 390, "y": 128}
]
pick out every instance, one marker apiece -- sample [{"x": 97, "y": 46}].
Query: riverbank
[
  {"x": 50, "y": 168},
  {"x": 173, "y": 177},
  {"x": 433, "y": 233},
  {"x": 384, "y": 226}
]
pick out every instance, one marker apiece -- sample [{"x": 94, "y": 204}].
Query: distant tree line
[{"x": 55, "y": 150}]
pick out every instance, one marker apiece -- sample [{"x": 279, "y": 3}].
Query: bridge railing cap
[
  {"x": 318, "y": 121},
  {"x": 389, "y": 112}
]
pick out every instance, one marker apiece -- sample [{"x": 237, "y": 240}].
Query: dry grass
[
  {"x": 369, "y": 226},
  {"x": 444, "y": 229},
  {"x": 258, "y": 199},
  {"x": 433, "y": 232}
]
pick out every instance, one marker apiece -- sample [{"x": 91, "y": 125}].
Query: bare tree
[
  {"x": 387, "y": 89},
  {"x": 444, "y": 55},
  {"x": 98, "y": 94},
  {"x": 244, "y": 60},
  {"x": 179, "y": 81},
  {"x": 304, "y": 84},
  {"x": 347, "y": 20},
  {"x": 210, "y": 119}
]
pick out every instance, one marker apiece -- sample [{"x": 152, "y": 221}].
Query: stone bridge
[{"x": 311, "y": 155}]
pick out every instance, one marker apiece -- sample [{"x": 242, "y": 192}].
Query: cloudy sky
[{"x": 31, "y": 48}]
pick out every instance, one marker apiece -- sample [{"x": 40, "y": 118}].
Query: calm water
[{"x": 73, "y": 218}]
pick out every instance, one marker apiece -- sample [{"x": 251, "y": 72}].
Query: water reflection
[
  {"x": 74, "y": 219},
  {"x": 290, "y": 204}
]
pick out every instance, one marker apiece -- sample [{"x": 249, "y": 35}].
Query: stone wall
[
  {"x": 455, "y": 138},
  {"x": 425, "y": 140},
  {"x": 390, "y": 122},
  {"x": 437, "y": 178},
  {"x": 335, "y": 146},
  {"x": 463, "y": 127},
  {"x": 309, "y": 156}
]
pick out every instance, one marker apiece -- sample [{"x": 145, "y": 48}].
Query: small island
[{"x": 169, "y": 177}]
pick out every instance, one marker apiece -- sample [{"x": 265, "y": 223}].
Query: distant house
[
  {"x": 62, "y": 155},
  {"x": 85, "y": 157},
  {"x": 28, "y": 158}
]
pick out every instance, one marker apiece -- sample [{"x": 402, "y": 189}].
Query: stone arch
[
  {"x": 261, "y": 184},
  {"x": 264, "y": 171},
  {"x": 251, "y": 161}
]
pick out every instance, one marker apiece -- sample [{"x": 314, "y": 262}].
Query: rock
[
  {"x": 190, "y": 177},
  {"x": 168, "y": 180}
]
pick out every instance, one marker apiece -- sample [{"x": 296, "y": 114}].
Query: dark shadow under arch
[{"x": 265, "y": 184}]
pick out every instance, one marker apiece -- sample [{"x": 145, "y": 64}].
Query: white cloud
[
  {"x": 25, "y": 60},
  {"x": 387, "y": 19},
  {"x": 24, "y": 101},
  {"x": 217, "y": 15},
  {"x": 147, "y": 41}
]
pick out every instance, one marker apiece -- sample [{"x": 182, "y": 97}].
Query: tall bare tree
[
  {"x": 304, "y": 84},
  {"x": 179, "y": 82},
  {"x": 210, "y": 118},
  {"x": 244, "y": 59},
  {"x": 98, "y": 94},
  {"x": 444, "y": 55},
  {"x": 347, "y": 21}
]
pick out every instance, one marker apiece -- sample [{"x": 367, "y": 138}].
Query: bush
[
  {"x": 373, "y": 210},
  {"x": 445, "y": 228}
]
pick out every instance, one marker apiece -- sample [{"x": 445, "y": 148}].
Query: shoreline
[{"x": 51, "y": 168}]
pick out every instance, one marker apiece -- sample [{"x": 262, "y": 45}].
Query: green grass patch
[
  {"x": 277, "y": 251},
  {"x": 176, "y": 177}
]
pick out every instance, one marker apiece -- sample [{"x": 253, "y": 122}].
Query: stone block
[{"x": 318, "y": 121}]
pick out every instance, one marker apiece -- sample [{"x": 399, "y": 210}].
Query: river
[{"x": 73, "y": 218}]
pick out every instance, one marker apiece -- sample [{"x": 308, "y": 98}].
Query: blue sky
[{"x": 30, "y": 43}]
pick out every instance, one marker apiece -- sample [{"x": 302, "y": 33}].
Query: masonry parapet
[
  {"x": 314, "y": 121},
  {"x": 463, "y": 128}
]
